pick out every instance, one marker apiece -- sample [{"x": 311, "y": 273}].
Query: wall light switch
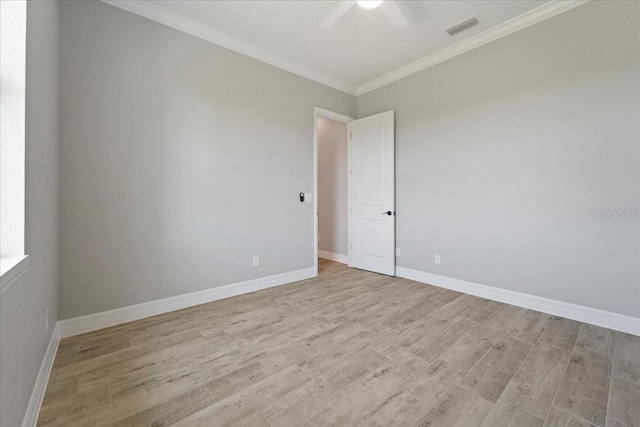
[
  {"x": 437, "y": 259},
  {"x": 308, "y": 197}
]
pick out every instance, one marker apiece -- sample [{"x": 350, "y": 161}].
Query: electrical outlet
[
  {"x": 437, "y": 259},
  {"x": 256, "y": 261},
  {"x": 46, "y": 320},
  {"x": 397, "y": 251}
]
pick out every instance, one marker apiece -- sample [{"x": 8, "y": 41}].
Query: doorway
[
  {"x": 332, "y": 186},
  {"x": 354, "y": 182}
]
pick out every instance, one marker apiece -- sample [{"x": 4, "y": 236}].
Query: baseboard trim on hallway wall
[
  {"x": 606, "y": 319},
  {"x": 92, "y": 322},
  {"x": 37, "y": 395},
  {"x": 331, "y": 256}
]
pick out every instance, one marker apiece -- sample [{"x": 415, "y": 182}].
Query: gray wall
[
  {"x": 22, "y": 307},
  {"x": 179, "y": 161},
  {"x": 503, "y": 151},
  {"x": 332, "y": 186}
]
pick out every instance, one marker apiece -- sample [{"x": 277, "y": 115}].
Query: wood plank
[
  {"x": 402, "y": 320},
  {"x": 473, "y": 346},
  {"x": 57, "y": 390},
  {"x": 559, "y": 418},
  {"x": 78, "y": 405},
  {"x": 584, "y": 391},
  {"x": 626, "y": 363},
  {"x": 417, "y": 398},
  {"x": 239, "y": 406},
  {"x": 529, "y": 326},
  {"x": 596, "y": 338},
  {"x": 180, "y": 407},
  {"x": 354, "y": 401},
  {"x": 119, "y": 373},
  {"x": 494, "y": 371},
  {"x": 312, "y": 398},
  {"x": 446, "y": 296},
  {"x": 456, "y": 307},
  {"x": 91, "y": 349},
  {"x": 354, "y": 368},
  {"x": 110, "y": 362},
  {"x": 624, "y": 404},
  {"x": 292, "y": 417},
  {"x": 281, "y": 358},
  {"x": 394, "y": 345},
  {"x": 372, "y": 313},
  {"x": 257, "y": 420},
  {"x": 173, "y": 377},
  {"x": 459, "y": 408},
  {"x": 561, "y": 333},
  {"x": 434, "y": 345},
  {"x": 503, "y": 317},
  {"x": 504, "y": 414},
  {"x": 535, "y": 383},
  {"x": 325, "y": 359},
  {"x": 481, "y": 310}
]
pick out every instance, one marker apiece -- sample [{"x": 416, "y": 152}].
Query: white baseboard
[
  {"x": 35, "y": 402},
  {"x": 344, "y": 259},
  {"x": 606, "y": 319},
  {"x": 92, "y": 322}
]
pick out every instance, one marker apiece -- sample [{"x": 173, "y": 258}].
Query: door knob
[{"x": 387, "y": 213}]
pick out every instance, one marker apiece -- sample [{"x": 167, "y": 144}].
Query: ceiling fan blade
[
  {"x": 337, "y": 13},
  {"x": 394, "y": 13}
]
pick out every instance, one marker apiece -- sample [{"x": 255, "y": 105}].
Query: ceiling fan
[{"x": 389, "y": 7}]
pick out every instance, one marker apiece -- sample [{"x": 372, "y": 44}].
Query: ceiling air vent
[{"x": 465, "y": 25}]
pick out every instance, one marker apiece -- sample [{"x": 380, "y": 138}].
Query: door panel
[{"x": 372, "y": 193}]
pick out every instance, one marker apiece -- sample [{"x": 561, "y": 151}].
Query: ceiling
[{"x": 358, "y": 49}]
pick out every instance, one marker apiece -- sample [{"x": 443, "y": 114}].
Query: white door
[{"x": 372, "y": 221}]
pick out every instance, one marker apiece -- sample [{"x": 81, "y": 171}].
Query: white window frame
[{"x": 13, "y": 27}]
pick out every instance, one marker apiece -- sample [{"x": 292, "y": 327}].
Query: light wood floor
[{"x": 347, "y": 348}]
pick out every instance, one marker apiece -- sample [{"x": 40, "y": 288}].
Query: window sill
[{"x": 11, "y": 268}]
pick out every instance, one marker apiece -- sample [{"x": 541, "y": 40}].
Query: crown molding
[
  {"x": 518, "y": 23},
  {"x": 189, "y": 26}
]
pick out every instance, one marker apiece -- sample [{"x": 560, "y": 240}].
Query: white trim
[
  {"x": 319, "y": 112},
  {"x": 178, "y": 22},
  {"x": 331, "y": 256},
  {"x": 11, "y": 269},
  {"x": 518, "y": 23},
  {"x": 37, "y": 395},
  {"x": 189, "y": 26},
  {"x": 333, "y": 116},
  {"x": 92, "y": 322},
  {"x": 607, "y": 319},
  {"x": 349, "y": 126}
]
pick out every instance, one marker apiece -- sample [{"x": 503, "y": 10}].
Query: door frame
[{"x": 320, "y": 112}]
